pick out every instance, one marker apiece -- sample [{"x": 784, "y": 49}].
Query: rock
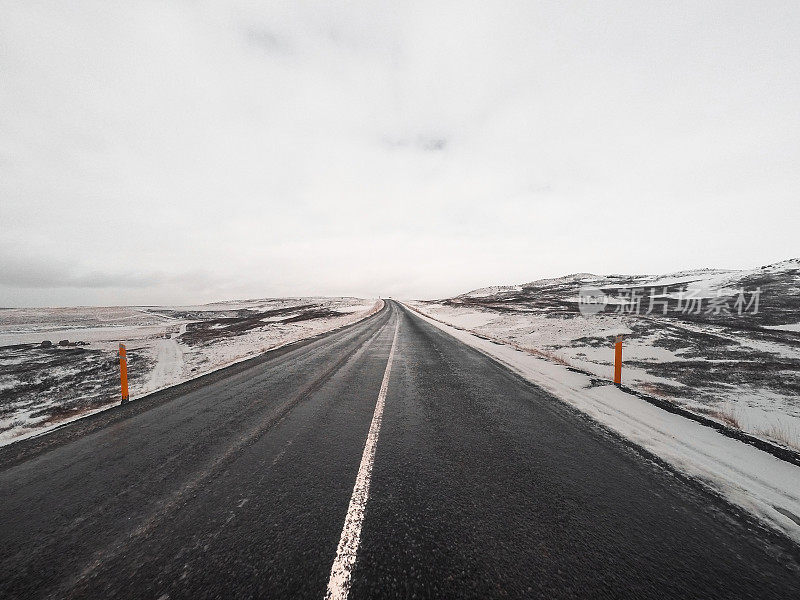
[
  {"x": 46, "y": 344},
  {"x": 64, "y": 343}
]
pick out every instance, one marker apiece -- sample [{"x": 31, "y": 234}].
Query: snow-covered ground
[
  {"x": 753, "y": 479},
  {"x": 741, "y": 369},
  {"x": 43, "y": 386}
]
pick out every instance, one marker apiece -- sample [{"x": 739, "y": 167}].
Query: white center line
[{"x": 342, "y": 569}]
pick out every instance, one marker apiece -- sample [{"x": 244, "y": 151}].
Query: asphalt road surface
[{"x": 329, "y": 468}]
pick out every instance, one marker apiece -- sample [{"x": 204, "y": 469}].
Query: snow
[
  {"x": 490, "y": 291},
  {"x": 109, "y": 333},
  {"x": 468, "y": 319},
  {"x": 169, "y": 362},
  {"x": 755, "y": 480},
  {"x": 789, "y": 327},
  {"x": 575, "y": 277}
]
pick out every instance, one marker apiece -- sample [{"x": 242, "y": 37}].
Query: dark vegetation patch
[
  {"x": 593, "y": 341},
  {"x": 760, "y": 371},
  {"x": 222, "y": 327},
  {"x": 76, "y": 379},
  {"x": 676, "y": 337}
]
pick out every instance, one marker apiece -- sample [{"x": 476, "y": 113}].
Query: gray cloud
[
  {"x": 267, "y": 40},
  {"x": 33, "y": 275},
  {"x": 428, "y": 143},
  {"x": 52, "y": 279},
  {"x": 48, "y": 273}
]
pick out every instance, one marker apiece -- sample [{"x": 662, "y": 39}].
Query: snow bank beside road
[{"x": 748, "y": 477}]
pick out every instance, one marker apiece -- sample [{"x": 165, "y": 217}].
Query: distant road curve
[{"x": 459, "y": 478}]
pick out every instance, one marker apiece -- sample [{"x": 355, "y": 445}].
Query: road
[{"x": 472, "y": 483}]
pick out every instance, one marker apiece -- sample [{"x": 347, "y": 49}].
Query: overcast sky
[{"x": 189, "y": 151}]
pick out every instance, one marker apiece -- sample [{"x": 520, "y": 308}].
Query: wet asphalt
[{"x": 483, "y": 486}]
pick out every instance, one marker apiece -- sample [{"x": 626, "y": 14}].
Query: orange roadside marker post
[
  {"x": 618, "y": 361},
  {"x": 123, "y": 372}
]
